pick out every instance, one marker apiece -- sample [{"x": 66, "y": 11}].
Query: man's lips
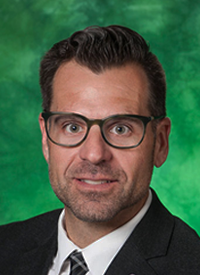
[{"x": 95, "y": 182}]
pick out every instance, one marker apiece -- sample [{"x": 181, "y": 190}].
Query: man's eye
[
  {"x": 73, "y": 128},
  {"x": 120, "y": 130}
]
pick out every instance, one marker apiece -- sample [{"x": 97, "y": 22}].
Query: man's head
[
  {"x": 101, "y": 48},
  {"x": 96, "y": 74}
]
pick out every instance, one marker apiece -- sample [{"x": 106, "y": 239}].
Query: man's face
[{"x": 95, "y": 181}]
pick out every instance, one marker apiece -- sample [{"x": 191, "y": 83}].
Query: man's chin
[{"x": 93, "y": 212}]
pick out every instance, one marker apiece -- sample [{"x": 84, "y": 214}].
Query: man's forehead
[{"x": 119, "y": 85}]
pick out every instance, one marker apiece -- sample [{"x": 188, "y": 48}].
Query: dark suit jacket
[{"x": 161, "y": 244}]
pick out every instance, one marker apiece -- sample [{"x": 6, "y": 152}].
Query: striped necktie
[{"x": 77, "y": 264}]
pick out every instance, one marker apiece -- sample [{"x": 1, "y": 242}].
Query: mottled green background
[{"x": 29, "y": 28}]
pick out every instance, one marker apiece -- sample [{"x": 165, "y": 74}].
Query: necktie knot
[{"x": 78, "y": 265}]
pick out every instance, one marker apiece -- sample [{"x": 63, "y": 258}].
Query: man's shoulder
[
  {"x": 35, "y": 229},
  {"x": 180, "y": 245},
  {"x": 168, "y": 244},
  {"x": 182, "y": 253},
  {"x": 181, "y": 233},
  {"x": 185, "y": 237},
  {"x": 35, "y": 238},
  {"x": 44, "y": 217}
]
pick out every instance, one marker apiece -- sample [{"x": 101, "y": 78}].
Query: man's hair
[{"x": 101, "y": 48}]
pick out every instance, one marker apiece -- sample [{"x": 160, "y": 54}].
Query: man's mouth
[{"x": 95, "y": 182}]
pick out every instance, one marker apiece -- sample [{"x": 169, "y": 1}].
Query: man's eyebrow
[{"x": 60, "y": 117}]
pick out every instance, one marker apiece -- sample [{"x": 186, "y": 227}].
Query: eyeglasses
[{"x": 119, "y": 131}]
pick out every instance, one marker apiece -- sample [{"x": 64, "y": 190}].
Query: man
[{"x": 104, "y": 127}]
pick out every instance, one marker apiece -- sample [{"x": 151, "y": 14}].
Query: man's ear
[
  {"x": 45, "y": 147},
  {"x": 162, "y": 141}
]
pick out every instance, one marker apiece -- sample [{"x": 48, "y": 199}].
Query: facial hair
[{"x": 94, "y": 206}]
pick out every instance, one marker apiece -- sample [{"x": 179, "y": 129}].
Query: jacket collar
[
  {"x": 150, "y": 239},
  {"x": 153, "y": 234},
  {"x": 43, "y": 246}
]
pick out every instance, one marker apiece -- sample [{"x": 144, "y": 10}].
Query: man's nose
[{"x": 94, "y": 148}]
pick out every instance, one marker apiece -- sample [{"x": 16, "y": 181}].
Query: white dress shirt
[{"x": 99, "y": 254}]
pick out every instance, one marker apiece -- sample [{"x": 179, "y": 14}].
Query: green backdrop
[{"x": 29, "y": 28}]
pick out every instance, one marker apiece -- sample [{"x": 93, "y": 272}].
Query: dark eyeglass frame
[{"x": 100, "y": 122}]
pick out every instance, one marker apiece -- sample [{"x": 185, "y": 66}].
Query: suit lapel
[
  {"x": 129, "y": 261},
  {"x": 37, "y": 261},
  {"x": 149, "y": 240},
  {"x": 39, "y": 256}
]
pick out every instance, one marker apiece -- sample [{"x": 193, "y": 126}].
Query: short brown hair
[{"x": 100, "y": 48}]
